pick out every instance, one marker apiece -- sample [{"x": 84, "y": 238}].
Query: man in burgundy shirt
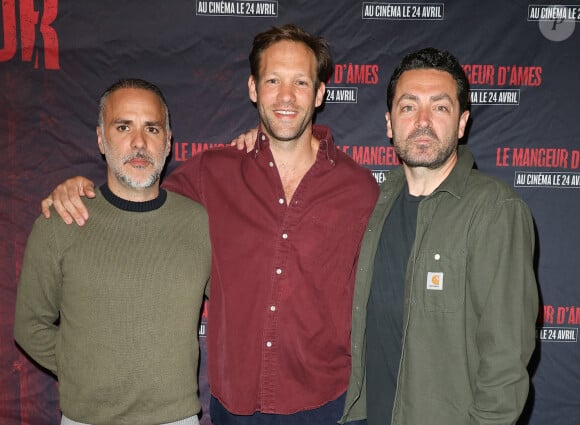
[{"x": 286, "y": 222}]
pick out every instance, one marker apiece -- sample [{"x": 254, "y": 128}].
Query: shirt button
[
  {"x": 437, "y": 257},
  {"x": 271, "y": 164},
  {"x": 284, "y": 235},
  {"x": 263, "y": 137},
  {"x": 269, "y": 344},
  {"x": 281, "y": 201},
  {"x": 272, "y": 308},
  {"x": 278, "y": 271}
]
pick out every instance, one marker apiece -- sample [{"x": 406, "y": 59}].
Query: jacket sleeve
[
  {"x": 39, "y": 295},
  {"x": 502, "y": 281}
]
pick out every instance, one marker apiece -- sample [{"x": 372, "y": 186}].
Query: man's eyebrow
[
  {"x": 153, "y": 123},
  {"x": 442, "y": 96},
  {"x": 435, "y": 97},
  {"x": 407, "y": 96},
  {"x": 147, "y": 123}
]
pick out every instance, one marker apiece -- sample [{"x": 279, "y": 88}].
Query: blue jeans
[{"x": 329, "y": 414}]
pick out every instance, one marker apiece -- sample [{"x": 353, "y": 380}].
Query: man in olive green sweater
[{"x": 112, "y": 308}]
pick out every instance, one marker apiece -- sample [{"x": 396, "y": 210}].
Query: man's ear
[
  {"x": 389, "y": 125},
  {"x": 100, "y": 140},
  {"x": 252, "y": 91},
  {"x": 463, "y": 119},
  {"x": 168, "y": 146},
  {"x": 320, "y": 94}
]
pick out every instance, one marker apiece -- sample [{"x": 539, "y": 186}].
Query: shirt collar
[{"x": 326, "y": 149}]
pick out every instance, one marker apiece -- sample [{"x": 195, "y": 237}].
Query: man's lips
[
  {"x": 283, "y": 113},
  {"x": 139, "y": 162},
  {"x": 423, "y": 136}
]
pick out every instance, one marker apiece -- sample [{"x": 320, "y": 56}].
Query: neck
[
  {"x": 423, "y": 181},
  {"x": 295, "y": 153},
  {"x": 134, "y": 194},
  {"x": 293, "y": 160}
]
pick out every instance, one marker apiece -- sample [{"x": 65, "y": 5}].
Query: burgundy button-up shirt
[{"x": 282, "y": 274}]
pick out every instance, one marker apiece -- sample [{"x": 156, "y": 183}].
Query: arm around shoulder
[{"x": 66, "y": 200}]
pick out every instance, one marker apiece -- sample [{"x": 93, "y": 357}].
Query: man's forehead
[
  {"x": 427, "y": 75},
  {"x": 134, "y": 100},
  {"x": 291, "y": 52},
  {"x": 126, "y": 94},
  {"x": 427, "y": 80}
]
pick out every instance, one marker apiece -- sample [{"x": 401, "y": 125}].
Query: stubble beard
[
  {"x": 145, "y": 183},
  {"x": 282, "y": 132},
  {"x": 442, "y": 151},
  {"x": 124, "y": 178}
]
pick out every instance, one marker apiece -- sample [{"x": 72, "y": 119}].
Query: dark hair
[
  {"x": 134, "y": 83},
  {"x": 431, "y": 58},
  {"x": 291, "y": 32}
]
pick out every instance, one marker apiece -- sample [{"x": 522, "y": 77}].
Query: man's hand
[
  {"x": 246, "y": 140},
  {"x": 66, "y": 200}
]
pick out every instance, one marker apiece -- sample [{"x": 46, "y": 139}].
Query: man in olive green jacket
[{"x": 445, "y": 301}]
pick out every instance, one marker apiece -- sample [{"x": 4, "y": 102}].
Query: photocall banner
[{"x": 522, "y": 59}]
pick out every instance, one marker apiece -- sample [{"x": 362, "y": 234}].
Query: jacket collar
[{"x": 455, "y": 183}]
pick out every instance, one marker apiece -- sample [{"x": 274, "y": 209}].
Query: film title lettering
[
  {"x": 31, "y": 22},
  {"x": 513, "y": 75},
  {"x": 532, "y": 157},
  {"x": 559, "y": 315},
  {"x": 356, "y": 73},
  {"x": 185, "y": 150}
]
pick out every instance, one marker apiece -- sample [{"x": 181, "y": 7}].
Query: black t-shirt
[{"x": 385, "y": 307}]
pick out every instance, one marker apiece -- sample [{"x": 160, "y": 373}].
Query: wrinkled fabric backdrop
[{"x": 522, "y": 59}]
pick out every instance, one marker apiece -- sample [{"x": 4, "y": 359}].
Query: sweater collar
[{"x": 132, "y": 206}]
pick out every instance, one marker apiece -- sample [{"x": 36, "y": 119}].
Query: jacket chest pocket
[{"x": 439, "y": 280}]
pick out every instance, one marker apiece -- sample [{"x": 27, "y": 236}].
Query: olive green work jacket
[{"x": 471, "y": 303}]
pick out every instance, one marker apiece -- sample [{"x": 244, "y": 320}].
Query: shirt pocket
[{"x": 439, "y": 280}]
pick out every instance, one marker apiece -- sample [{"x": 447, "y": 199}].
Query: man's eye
[
  {"x": 123, "y": 127},
  {"x": 153, "y": 130},
  {"x": 443, "y": 108}
]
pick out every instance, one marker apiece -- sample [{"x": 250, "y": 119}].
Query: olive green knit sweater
[{"x": 112, "y": 308}]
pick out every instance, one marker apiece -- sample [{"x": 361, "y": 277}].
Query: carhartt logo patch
[{"x": 435, "y": 281}]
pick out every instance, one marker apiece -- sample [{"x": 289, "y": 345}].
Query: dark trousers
[{"x": 329, "y": 414}]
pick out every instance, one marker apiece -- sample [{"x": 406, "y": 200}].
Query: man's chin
[{"x": 139, "y": 183}]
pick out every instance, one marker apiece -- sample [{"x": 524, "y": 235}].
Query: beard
[
  {"x": 431, "y": 156},
  {"x": 285, "y": 131},
  {"x": 116, "y": 164},
  {"x": 143, "y": 183}
]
